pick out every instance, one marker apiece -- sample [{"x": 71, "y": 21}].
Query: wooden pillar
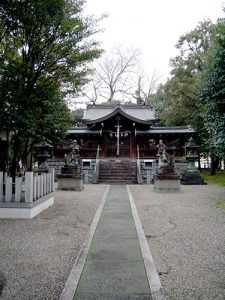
[
  {"x": 104, "y": 145},
  {"x": 133, "y": 146}
]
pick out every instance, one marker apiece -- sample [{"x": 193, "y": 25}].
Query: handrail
[
  {"x": 138, "y": 152},
  {"x": 97, "y": 162},
  {"x": 97, "y": 154},
  {"x": 139, "y": 176}
]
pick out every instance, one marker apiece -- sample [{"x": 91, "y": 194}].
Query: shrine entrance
[
  {"x": 113, "y": 149},
  {"x": 118, "y": 139}
]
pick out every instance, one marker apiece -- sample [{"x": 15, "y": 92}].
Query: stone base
[
  {"x": 70, "y": 183},
  {"x": 166, "y": 183},
  {"x": 192, "y": 177},
  {"x": 12, "y": 210}
]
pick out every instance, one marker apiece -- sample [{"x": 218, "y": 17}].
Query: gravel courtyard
[
  {"x": 186, "y": 235},
  {"x": 185, "y": 231}
]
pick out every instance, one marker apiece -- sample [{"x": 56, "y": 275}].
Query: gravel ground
[
  {"x": 36, "y": 256},
  {"x": 186, "y": 235}
]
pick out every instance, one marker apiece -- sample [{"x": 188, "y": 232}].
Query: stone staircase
[{"x": 117, "y": 171}]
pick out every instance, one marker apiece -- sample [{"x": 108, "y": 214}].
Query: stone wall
[
  {"x": 149, "y": 167},
  {"x": 88, "y": 167}
]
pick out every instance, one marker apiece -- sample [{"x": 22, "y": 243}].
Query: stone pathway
[{"x": 114, "y": 268}]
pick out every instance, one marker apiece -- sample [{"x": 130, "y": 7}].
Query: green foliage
[
  {"x": 221, "y": 204},
  {"x": 77, "y": 114},
  {"x": 157, "y": 100},
  {"x": 179, "y": 99},
  {"x": 45, "y": 47},
  {"x": 219, "y": 178},
  {"x": 213, "y": 94}
]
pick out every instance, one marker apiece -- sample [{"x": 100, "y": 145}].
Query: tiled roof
[
  {"x": 161, "y": 130},
  {"x": 142, "y": 113}
]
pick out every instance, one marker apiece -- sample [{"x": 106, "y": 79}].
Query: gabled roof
[
  {"x": 136, "y": 113},
  {"x": 77, "y": 130}
]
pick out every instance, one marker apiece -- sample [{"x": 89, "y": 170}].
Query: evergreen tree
[
  {"x": 45, "y": 47},
  {"x": 213, "y": 96}
]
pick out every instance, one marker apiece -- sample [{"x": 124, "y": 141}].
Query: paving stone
[
  {"x": 111, "y": 297},
  {"x": 115, "y": 231},
  {"x": 114, "y": 268},
  {"x": 107, "y": 277},
  {"x": 115, "y": 250}
]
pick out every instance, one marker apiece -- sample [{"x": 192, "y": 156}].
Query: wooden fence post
[
  {"x": 18, "y": 190},
  {"x": 35, "y": 186},
  {"x": 1, "y": 186},
  {"x": 8, "y": 189},
  {"x": 29, "y": 186},
  {"x": 44, "y": 178},
  {"x": 52, "y": 171},
  {"x": 38, "y": 186}
]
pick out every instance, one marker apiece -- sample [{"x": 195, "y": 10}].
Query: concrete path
[{"x": 114, "y": 268}]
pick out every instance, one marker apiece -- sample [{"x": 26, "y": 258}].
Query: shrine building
[{"x": 123, "y": 134}]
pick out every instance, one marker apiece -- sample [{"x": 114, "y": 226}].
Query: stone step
[
  {"x": 119, "y": 167},
  {"x": 118, "y": 181},
  {"x": 116, "y": 168},
  {"x": 116, "y": 172},
  {"x": 119, "y": 164},
  {"x": 124, "y": 172},
  {"x": 118, "y": 177}
]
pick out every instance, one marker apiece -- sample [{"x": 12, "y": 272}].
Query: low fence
[{"x": 33, "y": 188}]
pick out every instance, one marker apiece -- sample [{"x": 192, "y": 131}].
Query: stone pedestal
[
  {"x": 71, "y": 178},
  {"x": 192, "y": 177},
  {"x": 166, "y": 183}
]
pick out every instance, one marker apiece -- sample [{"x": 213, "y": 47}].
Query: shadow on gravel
[{"x": 2, "y": 282}]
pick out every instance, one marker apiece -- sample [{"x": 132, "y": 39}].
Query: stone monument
[
  {"x": 166, "y": 179},
  {"x": 191, "y": 175},
  {"x": 71, "y": 176}
]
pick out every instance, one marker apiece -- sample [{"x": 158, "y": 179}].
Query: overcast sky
[{"x": 153, "y": 26}]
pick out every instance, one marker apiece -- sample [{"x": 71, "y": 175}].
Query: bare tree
[
  {"x": 114, "y": 75},
  {"x": 146, "y": 87},
  {"x": 92, "y": 93},
  {"x": 115, "y": 78}
]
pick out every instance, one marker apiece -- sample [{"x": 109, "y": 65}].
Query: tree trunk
[
  {"x": 214, "y": 164},
  {"x": 28, "y": 156},
  {"x": 15, "y": 159},
  {"x": 199, "y": 163}
]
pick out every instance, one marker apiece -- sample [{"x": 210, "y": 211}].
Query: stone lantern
[
  {"x": 45, "y": 150},
  {"x": 191, "y": 153},
  {"x": 192, "y": 174}
]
